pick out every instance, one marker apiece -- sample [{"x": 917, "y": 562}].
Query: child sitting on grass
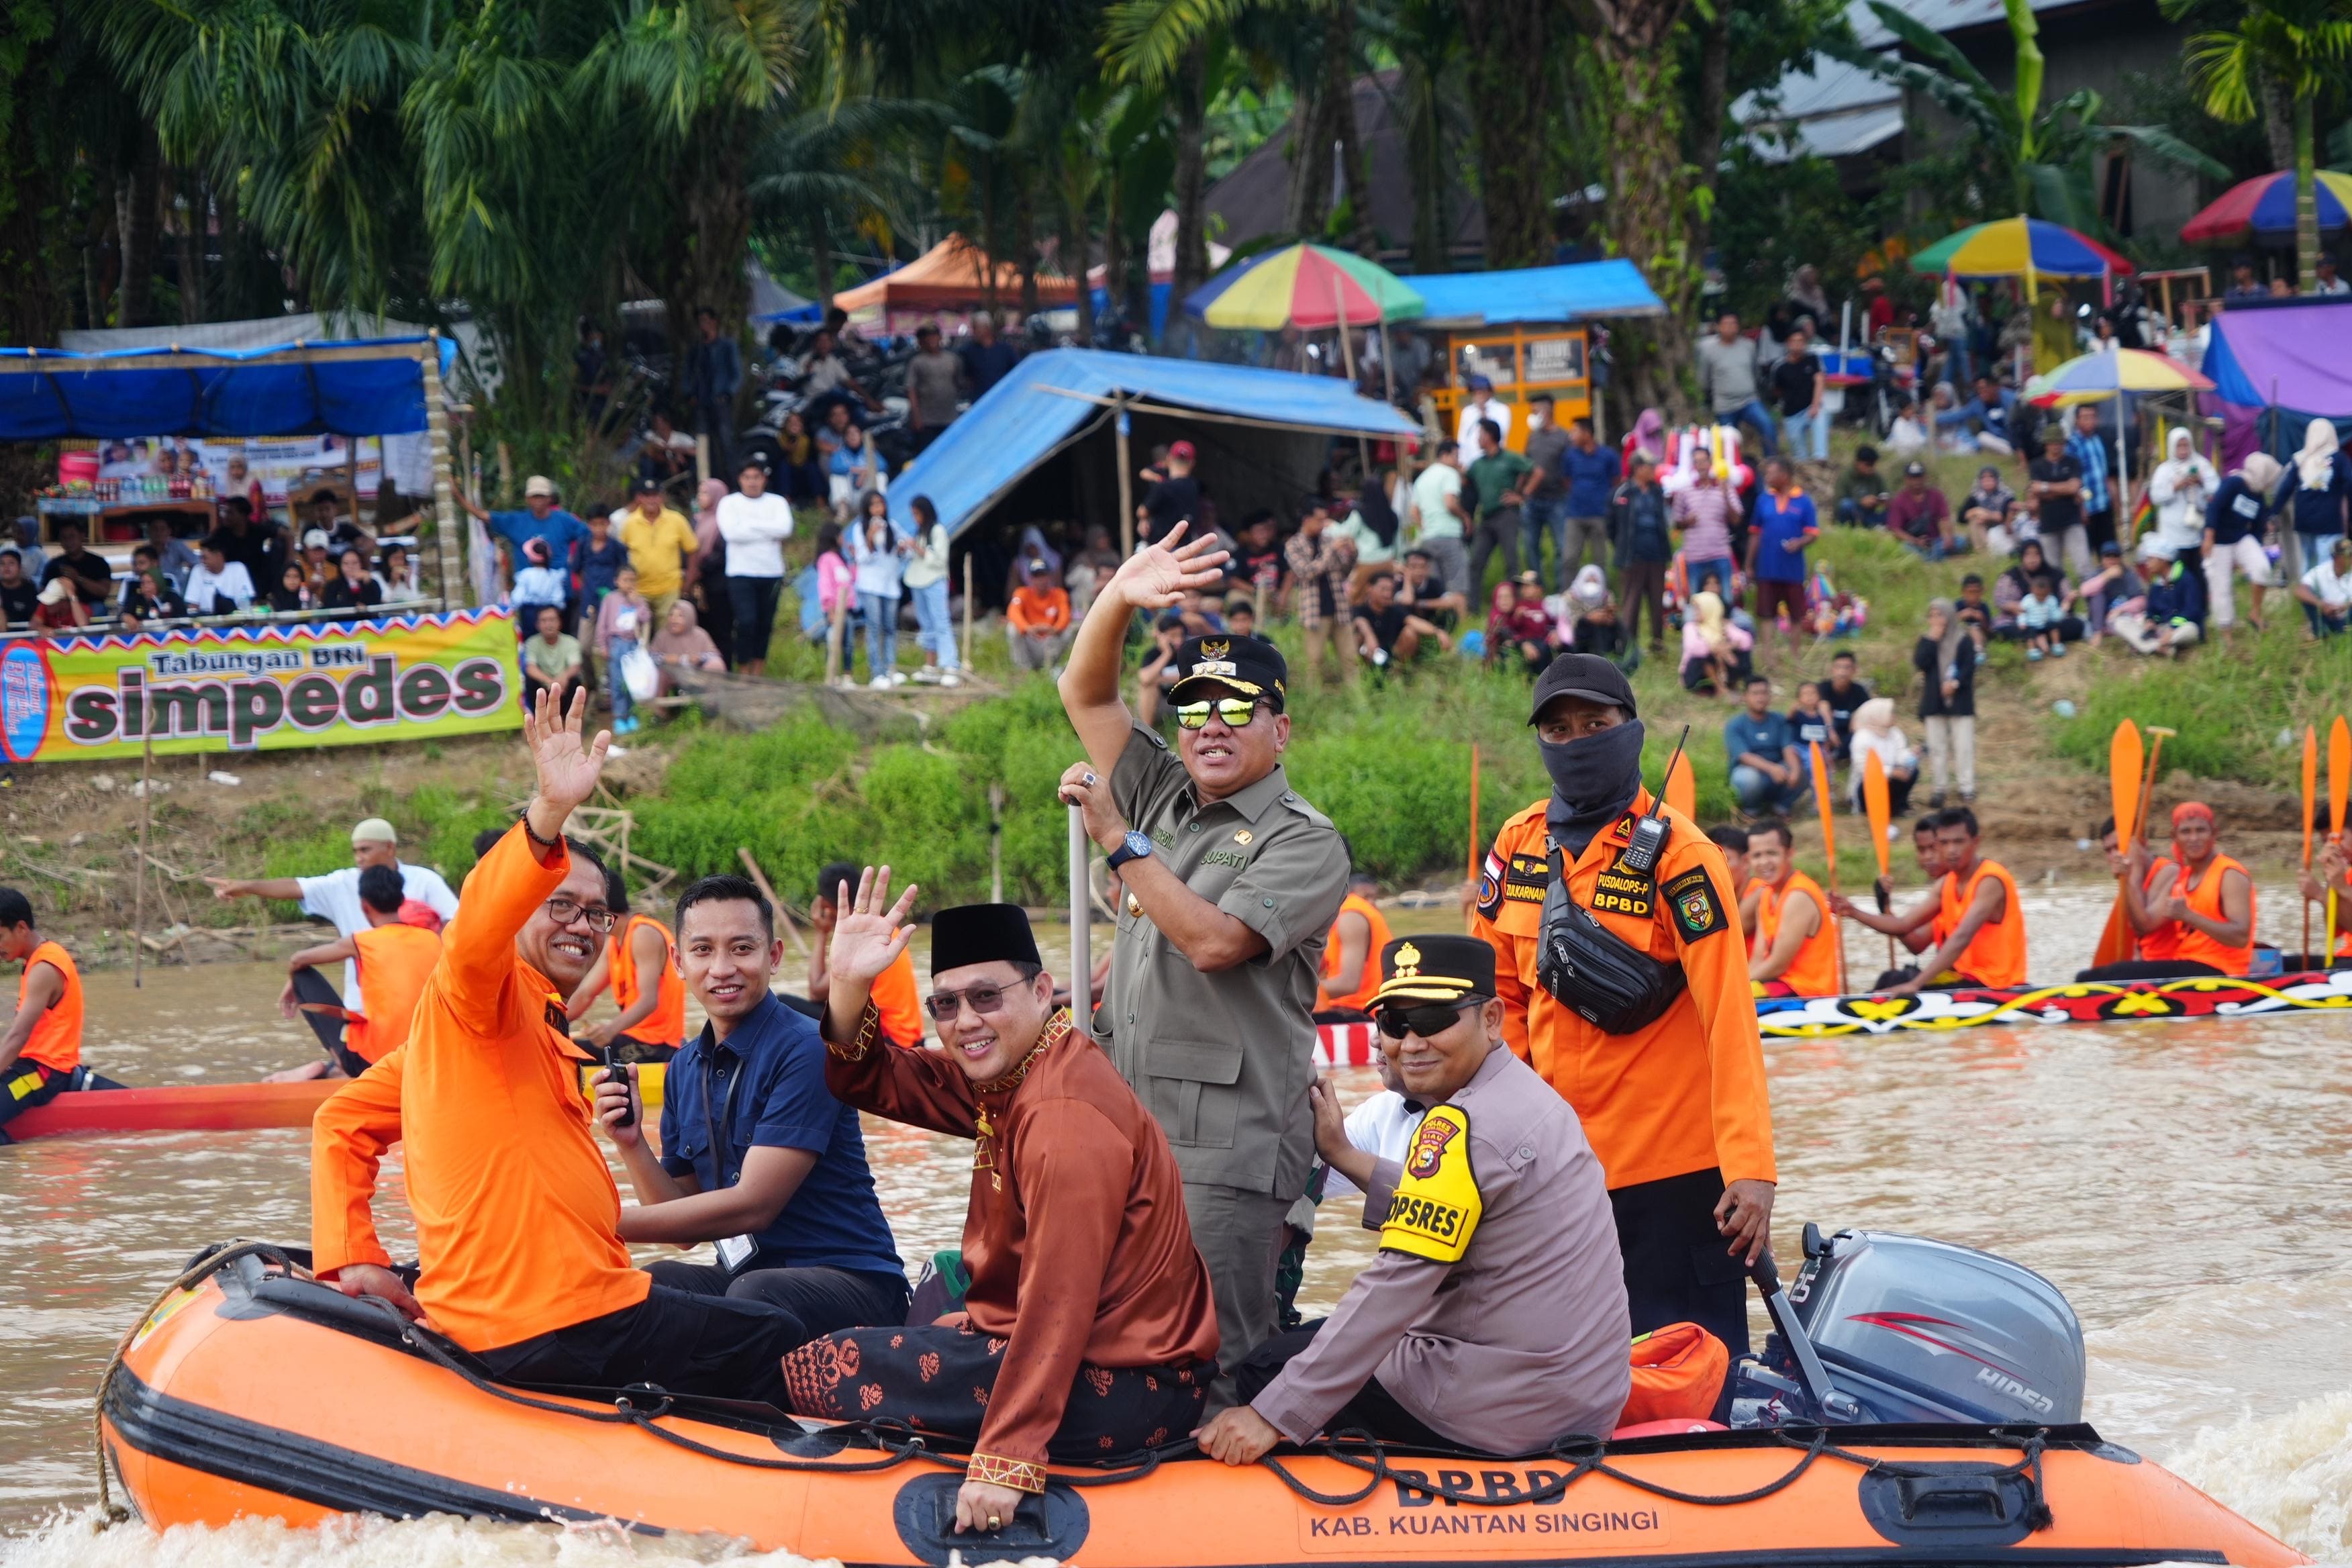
[{"x": 2038, "y": 615}]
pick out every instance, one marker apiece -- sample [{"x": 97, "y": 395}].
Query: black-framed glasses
[
  {"x": 1428, "y": 1021},
  {"x": 944, "y": 1004},
  {"x": 564, "y": 911},
  {"x": 1236, "y": 711}
]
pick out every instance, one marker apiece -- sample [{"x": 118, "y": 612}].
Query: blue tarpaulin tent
[
  {"x": 1262, "y": 435},
  {"x": 1576, "y": 292},
  {"x": 369, "y": 387}
]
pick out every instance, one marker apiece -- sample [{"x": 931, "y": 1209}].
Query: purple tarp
[{"x": 2294, "y": 359}]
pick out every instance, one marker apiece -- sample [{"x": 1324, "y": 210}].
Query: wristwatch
[{"x": 1136, "y": 845}]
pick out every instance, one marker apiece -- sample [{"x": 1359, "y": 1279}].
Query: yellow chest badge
[{"x": 1436, "y": 1205}]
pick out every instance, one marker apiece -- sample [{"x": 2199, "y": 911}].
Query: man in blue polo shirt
[
  {"x": 756, "y": 1154},
  {"x": 541, "y": 517}
]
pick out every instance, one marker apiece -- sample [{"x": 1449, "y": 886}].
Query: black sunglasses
[{"x": 1428, "y": 1021}]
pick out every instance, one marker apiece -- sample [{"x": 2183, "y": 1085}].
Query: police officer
[
  {"x": 1624, "y": 984},
  {"x": 1498, "y": 1272},
  {"x": 1230, "y": 882}
]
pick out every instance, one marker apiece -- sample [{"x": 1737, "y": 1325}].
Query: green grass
[{"x": 2239, "y": 708}]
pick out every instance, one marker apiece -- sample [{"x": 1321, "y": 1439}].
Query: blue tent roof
[
  {"x": 1032, "y": 414},
  {"x": 1588, "y": 288},
  {"x": 365, "y": 387}
]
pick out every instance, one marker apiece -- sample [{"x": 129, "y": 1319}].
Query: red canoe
[{"x": 188, "y": 1108}]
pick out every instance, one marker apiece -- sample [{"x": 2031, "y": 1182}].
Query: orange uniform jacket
[
  {"x": 666, "y": 1025},
  {"x": 1814, "y": 971},
  {"x": 1686, "y": 1093},
  {"x": 1033, "y": 610},
  {"x": 1369, "y": 980},
  {"x": 2193, "y": 945},
  {"x": 517, "y": 1216},
  {"x": 394, "y": 962},
  {"x": 1995, "y": 956},
  {"x": 55, "y": 1040}
]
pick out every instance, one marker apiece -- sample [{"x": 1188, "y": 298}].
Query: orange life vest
[
  {"x": 394, "y": 962},
  {"x": 894, "y": 999},
  {"x": 56, "y": 1041},
  {"x": 1369, "y": 979},
  {"x": 2204, "y": 896},
  {"x": 2164, "y": 942},
  {"x": 666, "y": 1025},
  {"x": 1995, "y": 956},
  {"x": 1813, "y": 971}
]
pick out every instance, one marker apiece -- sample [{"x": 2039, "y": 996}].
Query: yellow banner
[{"x": 269, "y": 688}]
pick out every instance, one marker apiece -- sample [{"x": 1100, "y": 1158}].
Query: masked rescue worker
[
  {"x": 1498, "y": 1270},
  {"x": 1973, "y": 918},
  {"x": 1795, "y": 950},
  {"x": 1624, "y": 985}
]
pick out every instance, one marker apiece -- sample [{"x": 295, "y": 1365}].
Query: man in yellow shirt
[{"x": 659, "y": 543}]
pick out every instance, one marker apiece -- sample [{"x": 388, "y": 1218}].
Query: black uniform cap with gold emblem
[
  {"x": 1246, "y": 665},
  {"x": 1448, "y": 970}
]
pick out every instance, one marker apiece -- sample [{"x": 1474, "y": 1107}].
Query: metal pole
[
  {"x": 146, "y": 811},
  {"x": 1082, "y": 1011},
  {"x": 1126, "y": 488},
  {"x": 445, "y": 554},
  {"x": 1348, "y": 359},
  {"x": 701, "y": 459},
  {"x": 967, "y": 621}
]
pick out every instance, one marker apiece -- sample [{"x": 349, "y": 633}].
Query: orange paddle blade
[
  {"x": 1682, "y": 788},
  {"x": 2124, "y": 756},
  {"x": 2115, "y": 942},
  {"x": 1876, "y": 807},
  {"x": 2339, "y": 772},
  {"x": 1822, "y": 802},
  {"x": 2310, "y": 787}
]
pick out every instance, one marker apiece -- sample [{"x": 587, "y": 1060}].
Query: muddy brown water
[{"x": 2188, "y": 1186}]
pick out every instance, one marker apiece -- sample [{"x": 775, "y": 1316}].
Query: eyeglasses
[
  {"x": 1428, "y": 1022},
  {"x": 944, "y": 1004},
  {"x": 1236, "y": 711},
  {"x": 564, "y": 911}
]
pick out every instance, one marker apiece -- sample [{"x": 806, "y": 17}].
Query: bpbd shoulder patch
[
  {"x": 1698, "y": 908},
  {"x": 1436, "y": 1205}
]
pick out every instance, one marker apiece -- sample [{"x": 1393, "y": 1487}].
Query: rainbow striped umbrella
[
  {"x": 2015, "y": 246},
  {"x": 2103, "y": 373},
  {"x": 1310, "y": 287},
  {"x": 2265, "y": 205}
]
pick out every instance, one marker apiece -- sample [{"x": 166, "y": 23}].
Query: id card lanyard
[{"x": 734, "y": 1251}]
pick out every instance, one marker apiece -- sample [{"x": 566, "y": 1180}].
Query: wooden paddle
[
  {"x": 2339, "y": 780},
  {"x": 1829, "y": 845},
  {"x": 1681, "y": 789},
  {"x": 2116, "y": 941},
  {"x": 1876, "y": 807},
  {"x": 2310, "y": 802}
]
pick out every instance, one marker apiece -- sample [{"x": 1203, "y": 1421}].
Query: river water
[{"x": 2188, "y": 1186}]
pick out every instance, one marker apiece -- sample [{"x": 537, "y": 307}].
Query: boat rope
[{"x": 205, "y": 1264}]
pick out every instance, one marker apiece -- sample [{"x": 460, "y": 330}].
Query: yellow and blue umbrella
[
  {"x": 2020, "y": 247},
  {"x": 2104, "y": 372},
  {"x": 1310, "y": 287}
]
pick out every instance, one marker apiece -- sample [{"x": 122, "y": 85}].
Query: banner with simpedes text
[{"x": 264, "y": 688}]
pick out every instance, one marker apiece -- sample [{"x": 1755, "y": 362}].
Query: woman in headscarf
[
  {"x": 1946, "y": 658},
  {"x": 2233, "y": 537},
  {"x": 1875, "y": 734},
  {"x": 708, "y": 569},
  {"x": 2181, "y": 487},
  {"x": 1372, "y": 527},
  {"x": 1646, "y": 439},
  {"x": 2010, "y": 588},
  {"x": 1714, "y": 651},
  {"x": 2319, "y": 495},
  {"x": 1592, "y": 614},
  {"x": 681, "y": 644}
]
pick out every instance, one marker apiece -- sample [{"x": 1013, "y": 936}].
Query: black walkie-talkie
[
  {"x": 615, "y": 1073},
  {"x": 1650, "y": 831}
]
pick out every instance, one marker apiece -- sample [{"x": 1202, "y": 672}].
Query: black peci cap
[
  {"x": 982, "y": 933},
  {"x": 1585, "y": 675},
  {"x": 1246, "y": 665},
  {"x": 1441, "y": 969}
]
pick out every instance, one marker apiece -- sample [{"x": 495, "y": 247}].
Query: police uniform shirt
[
  {"x": 1224, "y": 1060},
  {"x": 1496, "y": 1310}
]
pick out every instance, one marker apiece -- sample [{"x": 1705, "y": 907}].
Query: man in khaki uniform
[{"x": 1230, "y": 882}]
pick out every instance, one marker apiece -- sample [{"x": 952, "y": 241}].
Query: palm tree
[{"x": 2301, "y": 47}]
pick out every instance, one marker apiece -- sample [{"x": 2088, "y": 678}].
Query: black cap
[
  {"x": 1585, "y": 675},
  {"x": 650, "y": 487},
  {"x": 1911, "y": 468},
  {"x": 1441, "y": 969},
  {"x": 1246, "y": 665},
  {"x": 982, "y": 933}
]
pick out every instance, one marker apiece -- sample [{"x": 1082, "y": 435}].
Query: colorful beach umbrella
[
  {"x": 1310, "y": 287},
  {"x": 2014, "y": 246},
  {"x": 2103, "y": 373},
  {"x": 2265, "y": 206}
]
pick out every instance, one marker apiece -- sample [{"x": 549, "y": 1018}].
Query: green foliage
[{"x": 2229, "y": 705}]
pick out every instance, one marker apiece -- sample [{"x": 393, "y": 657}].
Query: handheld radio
[
  {"x": 1650, "y": 831},
  {"x": 615, "y": 1073}
]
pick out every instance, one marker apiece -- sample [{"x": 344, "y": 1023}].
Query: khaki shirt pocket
[{"x": 1191, "y": 1088}]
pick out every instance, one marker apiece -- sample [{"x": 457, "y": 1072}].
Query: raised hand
[
  {"x": 568, "y": 769},
  {"x": 1157, "y": 576},
  {"x": 870, "y": 932}
]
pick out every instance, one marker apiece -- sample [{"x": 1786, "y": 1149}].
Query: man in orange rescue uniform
[
  {"x": 1351, "y": 970},
  {"x": 1795, "y": 951},
  {"x": 40, "y": 1055},
  {"x": 517, "y": 1215},
  {"x": 1973, "y": 918},
  {"x": 390, "y": 958},
  {"x": 1624, "y": 984},
  {"x": 640, "y": 964}
]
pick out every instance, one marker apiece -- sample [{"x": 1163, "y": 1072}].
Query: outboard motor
[{"x": 1880, "y": 1328}]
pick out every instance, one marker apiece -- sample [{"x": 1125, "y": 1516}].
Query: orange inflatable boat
[{"x": 251, "y": 1391}]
